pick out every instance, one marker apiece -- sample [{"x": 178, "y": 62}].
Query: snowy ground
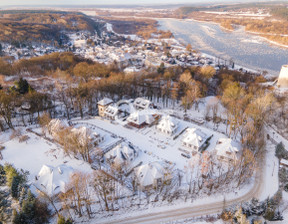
[
  {"x": 156, "y": 144},
  {"x": 152, "y": 146},
  {"x": 35, "y": 152}
]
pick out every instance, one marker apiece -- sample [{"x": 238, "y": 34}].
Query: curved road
[{"x": 170, "y": 215}]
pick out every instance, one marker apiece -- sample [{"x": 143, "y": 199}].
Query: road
[
  {"x": 189, "y": 211},
  {"x": 170, "y": 215}
]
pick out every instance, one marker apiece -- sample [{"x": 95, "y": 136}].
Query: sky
[{"x": 101, "y": 2}]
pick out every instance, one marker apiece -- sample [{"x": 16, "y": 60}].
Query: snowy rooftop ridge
[
  {"x": 105, "y": 101},
  {"x": 195, "y": 137},
  {"x": 226, "y": 147},
  {"x": 122, "y": 153},
  {"x": 147, "y": 174},
  {"x": 167, "y": 124},
  {"x": 53, "y": 180}
]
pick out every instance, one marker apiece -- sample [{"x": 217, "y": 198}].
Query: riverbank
[{"x": 247, "y": 50}]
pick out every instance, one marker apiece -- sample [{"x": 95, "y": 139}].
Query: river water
[{"x": 244, "y": 49}]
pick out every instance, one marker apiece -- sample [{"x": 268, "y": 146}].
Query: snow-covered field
[{"x": 35, "y": 152}]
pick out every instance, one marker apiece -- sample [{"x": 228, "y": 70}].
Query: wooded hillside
[{"x": 45, "y": 26}]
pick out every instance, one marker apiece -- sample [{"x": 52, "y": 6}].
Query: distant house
[
  {"x": 53, "y": 180},
  {"x": 102, "y": 105},
  {"x": 141, "y": 104},
  {"x": 121, "y": 155},
  {"x": 152, "y": 175},
  {"x": 139, "y": 119},
  {"x": 111, "y": 112},
  {"x": 167, "y": 125},
  {"x": 55, "y": 126},
  {"x": 86, "y": 135},
  {"x": 226, "y": 150},
  {"x": 194, "y": 139}
]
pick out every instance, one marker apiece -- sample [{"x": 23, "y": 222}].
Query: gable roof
[
  {"x": 53, "y": 180},
  {"x": 141, "y": 103},
  {"x": 105, "y": 101},
  {"x": 148, "y": 173},
  {"x": 121, "y": 153},
  {"x": 141, "y": 117},
  {"x": 111, "y": 110},
  {"x": 168, "y": 123},
  {"x": 194, "y": 137},
  {"x": 225, "y": 145}
]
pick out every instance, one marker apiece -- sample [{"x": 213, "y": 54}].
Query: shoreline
[
  {"x": 213, "y": 57},
  {"x": 249, "y": 32}
]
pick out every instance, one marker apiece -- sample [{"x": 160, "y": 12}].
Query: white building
[
  {"x": 111, "y": 112},
  {"x": 194, "y": 139},
  {"x": 53, "y": 180},
  {"x": 141, "y": 104},
  {"x": 226, "y": 150},
  {"x": 168, "y": 125},
  {"x": 122, "y": 155},
  {"x": 140, "y": 118},
  {"x": 102, "y": 105},
  {"x": 151, "y": 175},
  {"x": 283, "y": 77}
]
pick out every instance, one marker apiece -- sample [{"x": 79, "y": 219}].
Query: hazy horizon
[{"x": 110, "y": 2}]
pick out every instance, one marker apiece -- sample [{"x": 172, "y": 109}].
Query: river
[{"x": 244, "y": 49}]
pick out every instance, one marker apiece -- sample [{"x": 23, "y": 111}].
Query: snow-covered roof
[
  {"x": 111, "y": 111},
  {"x": 140, "y": 117},
  {"x": 284, "y": 162},
  {"x": 194, "y": 137},
  {"x": 168, "y": 124},
  {"x": 141, "y": 103},
  {"x": 84, "y": 134},
  {"x": 226, "y": 147},
  {"x": 122, "y": 153},
  {"x": 56, "y": 125},
  {"x": 53, "y": 180},
  {"x": 148, "y": 173},
  {"x": 105, "y": 101}
]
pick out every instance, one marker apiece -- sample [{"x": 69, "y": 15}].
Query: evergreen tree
[
  {"x": 4, "y": 206},
  {"x": 32, "y": 211},
  {"x": 281, "y": 152},
  {"x": 10, "y": 172},
  {"x": 2, "y": 175},
  {"x": 161, "y": 68},
  {"x": 22, "y": 86},
  {"x": 16, "y": 182},
  {"x": 62, "y": 220}
]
